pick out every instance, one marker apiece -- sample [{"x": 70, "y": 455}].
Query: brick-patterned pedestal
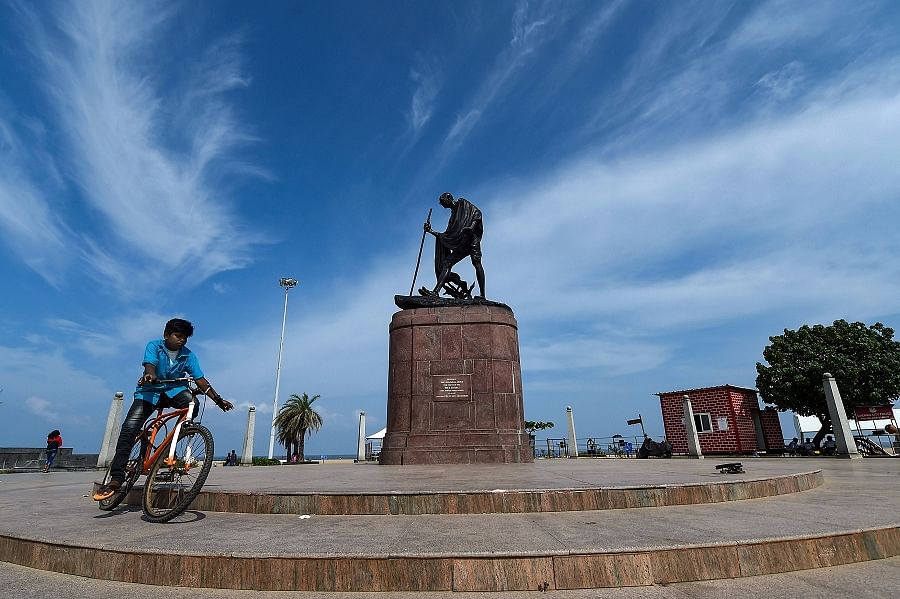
[{"x": 455, "y": 388}]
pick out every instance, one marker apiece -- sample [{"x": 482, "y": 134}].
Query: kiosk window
[{"x": 703, "y": 423}]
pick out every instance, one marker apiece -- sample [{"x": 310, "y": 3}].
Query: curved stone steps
[
  {"x": 499, "y": 501},
  {"x": 48, "y": 524}
]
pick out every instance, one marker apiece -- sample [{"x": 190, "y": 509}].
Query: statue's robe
[{"x": 456, "y": 239}]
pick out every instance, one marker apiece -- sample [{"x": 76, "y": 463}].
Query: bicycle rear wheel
[
  {"x": 170, "y": 488},
  {"x": 133, "y": 468}
]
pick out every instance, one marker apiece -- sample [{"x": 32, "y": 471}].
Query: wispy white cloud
[
  {"x": 28, "y": 177},
  {"x": 610, "y": 356},
  {"x": 782, "y": 83},
  {"x": 766, "y": 207},
  {"x": 581, "y": 49},
  {"x": 464, "y": 124},
  {"x": 678, "y": 74},
  {"x": 428, "y": 84},
  {"x": 698, "y": 70},
  {"x": 148, "y": 164},
  {"x": 110, "y": 336},
  {"x": 781, "y": 22},
  {"x": 42, "y": 408},
  {"x": 531, "y": 28},
  {"x": 41, "y": 387}
]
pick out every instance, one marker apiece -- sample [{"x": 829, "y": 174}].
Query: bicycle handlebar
[
  {"x": 195, "y": 389},
  {"x": 184, "y": 379}
]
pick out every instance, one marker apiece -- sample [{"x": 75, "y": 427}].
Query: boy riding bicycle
[{"x": 165, "y": 358}]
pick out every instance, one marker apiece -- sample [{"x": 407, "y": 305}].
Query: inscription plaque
[{"x": 452, "y": 387}]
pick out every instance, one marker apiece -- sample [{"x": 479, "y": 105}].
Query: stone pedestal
[{"x": 455, "y": 388}]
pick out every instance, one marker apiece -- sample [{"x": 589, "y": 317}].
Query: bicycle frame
[
  {"x": 151, "y": 430},
  {"x": 160, "y": 420}
]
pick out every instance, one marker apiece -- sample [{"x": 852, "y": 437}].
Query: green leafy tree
[
  {"x": 296, "y": 420},
  {"x": 865, "y": 361},
  {"x": 531, "y": 426}
]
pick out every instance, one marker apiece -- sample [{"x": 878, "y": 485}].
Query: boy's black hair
[
  {"x": 179, "y": 325},
  {"x": 53, "y": 433}
]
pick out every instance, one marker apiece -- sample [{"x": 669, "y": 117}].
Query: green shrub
[{"x": 265, "y": 462}]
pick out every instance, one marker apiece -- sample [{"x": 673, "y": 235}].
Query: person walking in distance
[{"x": 54, "y": 442}]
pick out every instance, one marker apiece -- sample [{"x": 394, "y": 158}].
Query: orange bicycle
[{"x": 176, "y": 466}]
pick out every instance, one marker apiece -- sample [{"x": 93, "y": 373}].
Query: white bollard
[
  {"x": 845, "y": 445},
  {"x": 247, "y": 455},
  {"x": 693, "y": 441},
  {"x": 361, "y": 439},
  {"x": 573, "y": 440},
  {"x": 110, "y": 436},
  {"x": 798, "y": 429}
]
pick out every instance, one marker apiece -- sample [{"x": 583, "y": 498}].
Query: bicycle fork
[{"x": 170, "y": 461}]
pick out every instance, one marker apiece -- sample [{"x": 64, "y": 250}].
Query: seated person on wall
[
  {"x": 793, "y": 446},
  {"x": 829, "y": 447},
  {"x": 807, "y": 448}
]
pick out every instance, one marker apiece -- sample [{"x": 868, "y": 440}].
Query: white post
[
  {"x": 843, "y": 438},
  {"x": 108, "y": 447},
  {"x": 247, "y": 455},
  {"x": 288, "y": 284},
  {"x": 798, "y": 429},
  {"x": 573, "y": 441},
  {"x": 361, "y": 439},
  {"x": 693, "y": 441}
]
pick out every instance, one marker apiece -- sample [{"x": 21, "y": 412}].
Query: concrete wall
[
  {"x": 11, "y": 457},
  {"x": 771, "y": 426}
]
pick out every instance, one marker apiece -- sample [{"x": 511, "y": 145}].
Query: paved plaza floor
[{"x": 856, "y": 495}]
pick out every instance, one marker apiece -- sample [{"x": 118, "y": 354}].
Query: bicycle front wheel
[{"x": 173, "y": 484}]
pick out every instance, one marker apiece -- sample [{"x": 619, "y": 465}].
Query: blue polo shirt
[{"x": 166, "y": 368}]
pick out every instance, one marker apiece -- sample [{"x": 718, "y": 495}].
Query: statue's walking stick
[{"x": 419, "y": 259}]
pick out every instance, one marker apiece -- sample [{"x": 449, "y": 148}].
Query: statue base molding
[{"x": 412, "y": 302}]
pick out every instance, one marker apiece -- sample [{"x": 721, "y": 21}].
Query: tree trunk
[
  {"x": 301, "y": 445},
  {"x": 825, "y": 430}
]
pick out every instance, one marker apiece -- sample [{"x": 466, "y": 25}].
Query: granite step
[{"x": 49, "y": 523}]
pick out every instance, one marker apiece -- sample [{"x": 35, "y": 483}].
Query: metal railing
[
  {"x": 888, "y": 442},
  {"x": 617, "y": 446}
]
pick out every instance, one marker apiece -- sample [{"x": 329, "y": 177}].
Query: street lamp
[{"x": 288, "y": 284}]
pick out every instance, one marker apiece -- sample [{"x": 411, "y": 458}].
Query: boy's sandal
[
  {"x": 106, "y": 491},
  {"x": 103, "y": 493}
]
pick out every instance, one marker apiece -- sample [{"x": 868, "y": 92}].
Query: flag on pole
[{"x": 635, "y": 421}]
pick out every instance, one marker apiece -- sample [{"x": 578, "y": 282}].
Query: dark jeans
[
  {"x": 138, "y": 413},
  {"x": 51, "y": 456}
]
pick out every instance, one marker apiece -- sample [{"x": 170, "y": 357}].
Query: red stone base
[{"x": 455, "y": 388}]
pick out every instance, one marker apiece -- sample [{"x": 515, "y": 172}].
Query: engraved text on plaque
[{"x": 452, "y": 387}]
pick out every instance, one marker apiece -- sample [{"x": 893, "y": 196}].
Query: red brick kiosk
[
  {"x": 728, "y": 420},
  {"x": 455, "y": 387}
]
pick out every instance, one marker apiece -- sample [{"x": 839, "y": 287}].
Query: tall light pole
[{"x": 288, "y": 284}]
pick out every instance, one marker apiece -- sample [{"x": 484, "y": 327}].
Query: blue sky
[{"x": 665, "y": 185}]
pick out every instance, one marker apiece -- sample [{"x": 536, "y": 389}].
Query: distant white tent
[
  {"x": 811, "y": 425},
  {"x": 379, "y": 435}
]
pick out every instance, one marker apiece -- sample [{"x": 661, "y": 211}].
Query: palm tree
[{"x": 296, "y": 419}]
